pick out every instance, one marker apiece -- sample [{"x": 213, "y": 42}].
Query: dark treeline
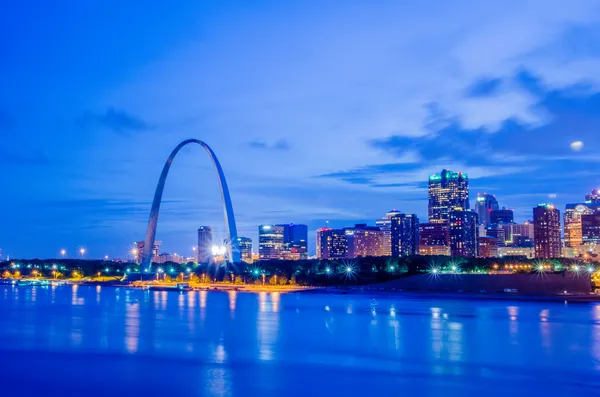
[{"x": 304, "y": 272}]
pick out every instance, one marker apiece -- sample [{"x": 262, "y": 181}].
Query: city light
[
  {"x": 63, "y": 252},
  {"x": 82, "y": 251}
]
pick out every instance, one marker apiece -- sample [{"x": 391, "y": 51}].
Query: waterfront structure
[
  {"x": 404, "y": 235},
  {"x": 271, "y": 240},
  {"x": 205, "y": 244},
  {"x": 447, "y": 190},
  {"x": 590, "y": 228},
  {"x": 140, "y": 248},
  {"x": 516, "y": 252},
  {"x": 546, "y": 221},
  {"x": 502, "y": 216},
  {"x": 434, "y": 239},
  {"x": 488, "y": 247},
  {"x": 484, "y": 205},
  {"x": 231, "y": 229},
  {"x": 245, "y": 246},
  {"x": 363, "y": 241},
  {"x": 463, "y": 233},
  {"x": 385, "y": 225}
]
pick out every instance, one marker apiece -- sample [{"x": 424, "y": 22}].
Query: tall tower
[
  {"x": 205, "y": 243},
  {"x": 464, "y": 233},
  {"x": 405, "y": 235},
  {"x": 484, "y": 205},
  {"x": 245, "y": 246},
  {"x": 546, "y": 223},
  {"x": 385, "y": 225},
  {"x": 447, "y": 191},
  {"x": 271, "y": 241}
]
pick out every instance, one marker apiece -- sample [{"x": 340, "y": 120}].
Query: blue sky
[{"x": 318, "y": 110}]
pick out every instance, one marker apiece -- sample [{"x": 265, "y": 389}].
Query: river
[{"x": 106, "y": 341}]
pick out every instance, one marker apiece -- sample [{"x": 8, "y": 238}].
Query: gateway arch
[{"x": 232, "y": 248}]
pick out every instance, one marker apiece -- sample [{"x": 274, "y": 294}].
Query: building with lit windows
[
  {"x": 434, "y": 239},
  {"x": 363, "y": 241},
  {"x": 590, "y": 228},
  {"x": 447, "y": 190},
  {"x": 271, "y": 241},
  {"x": 139, "y": 250},
  {"x": 546, "y": 223},
  {"x": 205, "y": 244},
  {"x": 488, "y": 247},
  {"x": 484, "y": 205},
  {"x": 463, "y": 232},
  {"x": 593, "y": 198},
  {"x": 245, "y": 246},
  {"x": 385, "y": 225},
  {"x": 516, "y": 252},
  {"x": 295, "y": 242},
  {"x": 324, "y": 239},
  {"x": 404, "y": 235}
]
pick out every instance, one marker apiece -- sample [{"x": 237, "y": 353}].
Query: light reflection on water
[{"x": 236, "y": 343}]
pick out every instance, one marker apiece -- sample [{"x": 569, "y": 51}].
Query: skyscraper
[
  {"x": 404, "y": 235},
  {"x": 271, "y": 240},
  {"x": 205, "y": 244},
  {"x": 296, "y": 241},
  {"x": 447, "y": 190},
  {"x": 434, "y": 239},
  {"x": 331, "y": 243},
  {"x": 546, "y": 222},
  {"x": 385, "y": 225},
  {"x": 501, "y": 216},
  {"x": 363, "y": 241},
  {"x": 590, "y": 228},
  {"x": 484, "y": 205},
  {"x": 463, "y": 232},
  {"x": 245, "y": 246},
  {"x": 517, "y": 234}
]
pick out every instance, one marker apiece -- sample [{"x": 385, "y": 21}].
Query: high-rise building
[
  {"x": 331, "y": 243},
  {"x": 590, "y": 228},
  {"x": 501, "y": 216},
  {"x": 546, "y": 222},
  {"x": 205, "y": 244},
  {"x": 498, "y": 232},
  {"x": 245, "y": 246},
  {"x": 363, "y": 241},
  {"x": 385, "y": 225},
  {"x": 463, "y": 232},
  {"x": 271, "y": 241},
  {"x": 434, "y": 239},
  {"x": 405, "y": 235},
  {"x": 295, "y": 241},
  {"x": 593, "y": 198},
  {"x": 447, "y": 190},
  {"x": 517, "y": 234},
  {"x": 572, "y": 221},
  {"x": 488, "y": 247},
  {"x": 484, "y": 205},
  {"x": 139, "y": 249}
]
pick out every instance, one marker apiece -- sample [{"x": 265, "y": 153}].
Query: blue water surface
[{"x": 107, "y": 341}]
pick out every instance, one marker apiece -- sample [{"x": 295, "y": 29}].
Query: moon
[{"x": 576, "y": 146}]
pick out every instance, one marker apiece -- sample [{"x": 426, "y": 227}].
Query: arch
[{"x": 232, "y": 248}]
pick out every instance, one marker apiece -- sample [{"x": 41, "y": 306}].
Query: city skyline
[{"x": 311, "y": 124}]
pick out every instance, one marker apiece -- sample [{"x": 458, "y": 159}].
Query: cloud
[
  {"x": 484, "y": 87},
  {"x": 280, "y": 144},
  {"x": 115, "y": 120}
]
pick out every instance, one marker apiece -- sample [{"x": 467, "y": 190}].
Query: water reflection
[
  {"x": 267, "y": 326},
  {"x": 132, "y": 327}
]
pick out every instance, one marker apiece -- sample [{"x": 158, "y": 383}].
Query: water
[{"x": 103, "y": 341}]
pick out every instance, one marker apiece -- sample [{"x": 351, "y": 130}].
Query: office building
[
  {"x": 516, "y": 234},
  {"x": 205, "y": 244},
  {"x": 363, "y": 241},
  {"x": 516, "y": 252},
  {"x": 484, "y": 205},
  {"x": 498, "y": 232},
  {"x": 590, "y": 228},
  {"x": 546, "y": 223},
  {"x": 245, "y": 246},
  {"x": 593, "y": 198},
  {"x": 434, "y": 239},
  {"x": 271, "y": 241},
  {"x": 404, "y": 235},
  {"x": 324, "y": 240},
  {"x": 488, "y": 247},
  {"x": 295, "y": 241},
  {"x": 463, "y": 233},
  {"x": 385, "y": 225},
  {"x": 165, "y": 257},
  {"x": 501, "y": 216},
  {"x": 447, "y": 190},
  {"x": 331, "y": 243}
]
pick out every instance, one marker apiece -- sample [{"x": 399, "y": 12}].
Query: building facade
[
  {"x": 546, "y": 223},
  {"x": 363, "y": 241},
  {"x": 502, "y": 216},
  {"x": 271, "y": 241},
  {"x": 205, "y": 244},
  {"x": 447, "y": 190},
  {"x": 484, "y": 205},
  {"x": 590, "y": 228},
  {"x": 464, "y": 233},
  {"x": 385, "y": 225},
  {"x": 404, "y": 235},
  {"x": 434, "y": 239},
  {"x": 488, "y": 247},
  {"x": 245, "y": 246}
]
